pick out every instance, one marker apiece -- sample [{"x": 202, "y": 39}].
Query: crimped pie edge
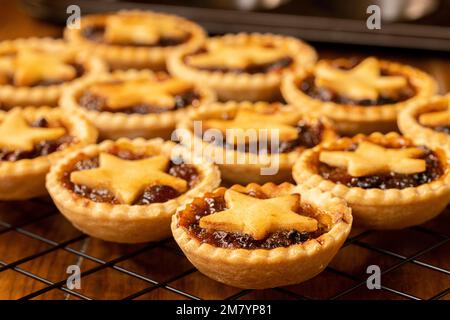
[
  {"x": 23, "y": 170},
  {"x": 109, "y": 123},
  {"x": 285, "y": 160},
  {"x": 423, "y": 83},
  {"x": 243, "y": 86},
  {"x": 96, "y": 210},
  {"x": 44, "y": 95},
  {"x": 410, "y": 127},
  {"x": 123, "y": 56},
  {"x": 303, "y": 173},
  {"x": 311, "y": 256}
]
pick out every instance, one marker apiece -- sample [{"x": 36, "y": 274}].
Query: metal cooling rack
[{"x": 345, "y": 282}]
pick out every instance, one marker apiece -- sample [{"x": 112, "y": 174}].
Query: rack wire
[{"x": 37, "y": 244}]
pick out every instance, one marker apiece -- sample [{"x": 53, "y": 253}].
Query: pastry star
[
  {"x": 258, "y": 217},
  {"x": 17, "y": 134},
  {"x": 30, "y": 66},
  {"x": 127, "y": 179},
  {"x": 235, "y": 56},
  {"x": 140, "y": 29},
  {"x": 371, "y": 158},
  {"x": 435, "y": 119},
  {"x": 362, "y": 82},
  {"x": 249, "y": 120},
  {"x": 141, "y": 91}
]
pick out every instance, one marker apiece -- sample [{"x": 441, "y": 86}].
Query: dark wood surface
[{"x": 415, "y": 261}]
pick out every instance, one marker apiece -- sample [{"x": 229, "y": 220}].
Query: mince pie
[
  {"x": 35, "y": 71},
  {"x": 135, "y": 103},
  {"x": 31, "y": 139},
  {"x": 359, "y": 96},
  {"x": 252, "y": 142},
  {"x": 135, "y": 39},
  {"x": 243, "y": 66},
  {"x": 389, "y": 181},
  {"x": 265, "y": 236},
  {"x": 428, "y": 122},
  {"x": 127, "y": 190}
]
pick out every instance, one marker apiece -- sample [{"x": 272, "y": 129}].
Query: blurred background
[
  {"x": 415, "y": 32},
  {"x": 423, "y": 24}
]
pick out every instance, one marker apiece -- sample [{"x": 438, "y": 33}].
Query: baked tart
[
  {"x": 127, "y": 190},
  {"x": 358, "y": 96},
  {"x": 428, "y": 122},
  {"x": 31, "y": 139},
  {"x": 135, "y": 103},
  {"x": 134, "y": 38},
  {"x": 387, "y": 180},
  {"x": 243, "y": 66},
  {"x": 252, "y": 142},
  {"x": 257, "y": 237},
  {"x": 35, "y": 71}
]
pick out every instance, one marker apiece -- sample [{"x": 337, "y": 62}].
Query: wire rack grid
[{"x": 37, "y": 245}]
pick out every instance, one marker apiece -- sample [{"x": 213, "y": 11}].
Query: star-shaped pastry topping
[
  {"x": 362, "y": 82},
  {"x": 141, "y": 29},
  {"x": 435, "y": 119},
  {"x": 250, "y": 120},
  {"x": 17, "y": 134},
  {"x": 127, "y": 179},
  {"x": 370, "y": 159},
  {"x": 141, "y": 91},
  {"x": 29, "y": 66},
  {"x": 258, "y": 217},
  {"x": 236, "y": 56}
]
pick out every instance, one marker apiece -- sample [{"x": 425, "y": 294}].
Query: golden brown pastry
[
  {"x": 257, "y": 237},
  {"x": 252, "y": 142},
  {"x": 243, "y": 66},
  {"x": 387, "y": 180},
  {"x": 35, "y": 71},
  {"x": 134, "y": 38},
  {"x": 31, "y": 139},
  {"x": 358, "y": 96},
  {"x": 135, "y": 103},
  {"x": 127, "y": 190},
  {"x": 428, "y": 122}
]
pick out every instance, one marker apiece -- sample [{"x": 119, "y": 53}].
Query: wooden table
[{"x": 37, "y": 243}]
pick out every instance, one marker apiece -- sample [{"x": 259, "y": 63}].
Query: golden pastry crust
[
  {"x": 250, "y": 165},
  {"x": 411, "y": 127},
  {"x": 120, "y": 222},
  {"x": 114, "y": 125},
  {"x": 267, "y": 268},
  {"x": 244, "y": 86},
  {"x": 376, "y": 208},
  {"x": 25, "y": 179},
  {"x": 125, "y": 57},
  {"x": 11, "y": 96},
  {"x": 353, "y": 119}
]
